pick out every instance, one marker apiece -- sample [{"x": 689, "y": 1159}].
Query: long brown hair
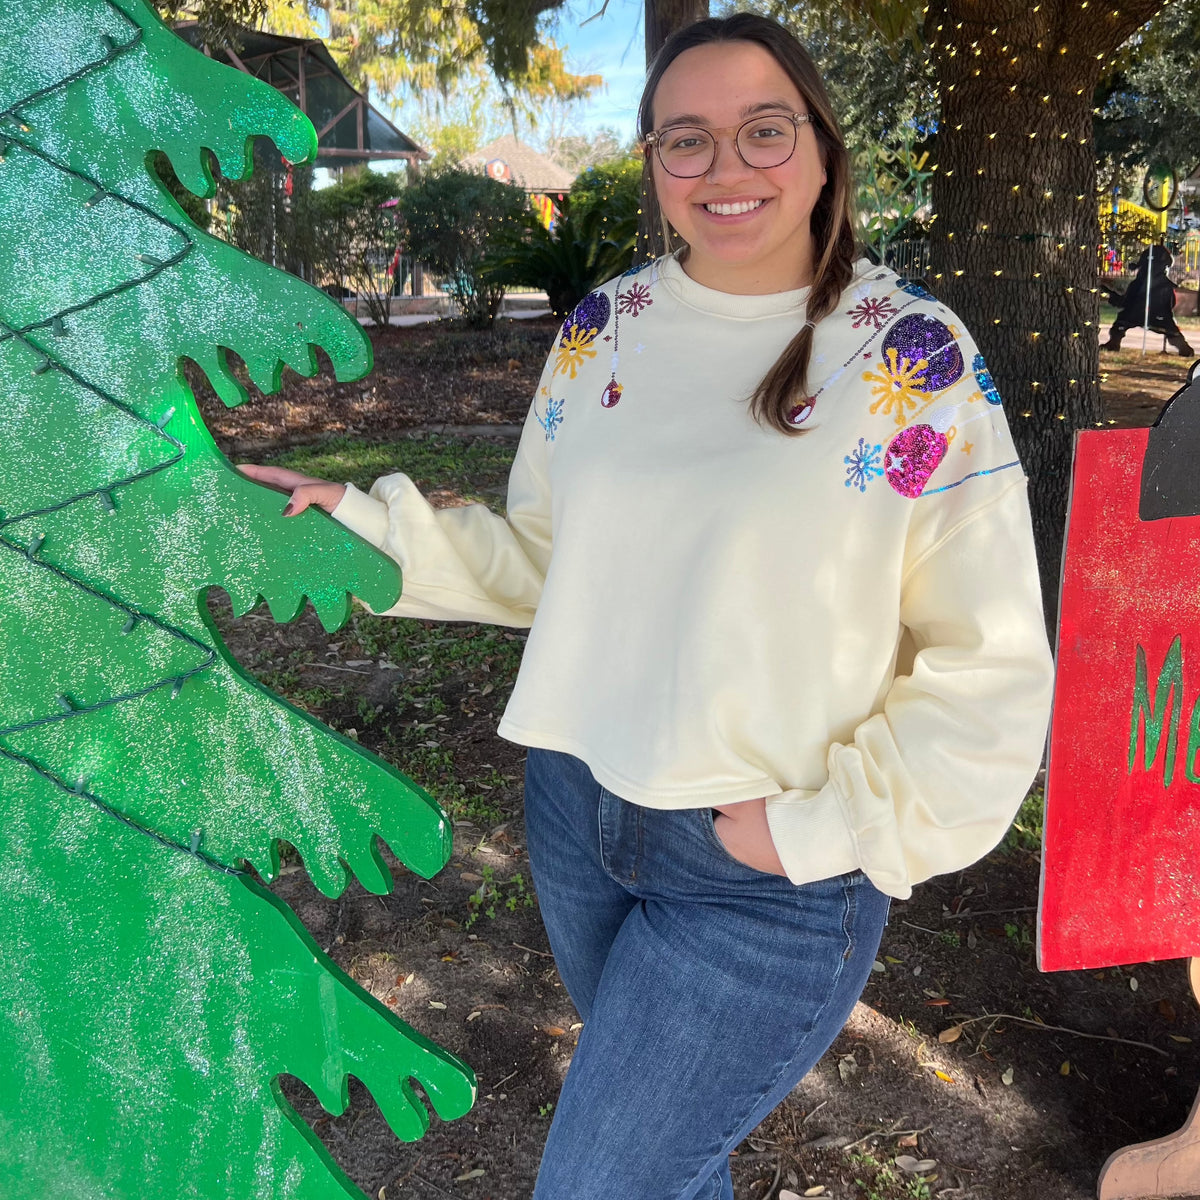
[{"x": 784, "y": 388}]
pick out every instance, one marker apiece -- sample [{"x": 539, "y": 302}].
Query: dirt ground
[{"x": 964, "y": 1073}]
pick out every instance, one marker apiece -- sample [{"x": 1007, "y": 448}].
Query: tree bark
[
  {"x": 663, "y": 17},
  {"x": 1014, "y": 245}
]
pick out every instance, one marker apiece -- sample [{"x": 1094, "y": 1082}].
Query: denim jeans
[{"x": 707, "y": 989}]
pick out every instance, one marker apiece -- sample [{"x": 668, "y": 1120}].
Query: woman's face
[{"x": 767, "y": 247}]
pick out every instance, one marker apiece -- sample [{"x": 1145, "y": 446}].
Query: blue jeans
[{"x": 707, "y": 989}]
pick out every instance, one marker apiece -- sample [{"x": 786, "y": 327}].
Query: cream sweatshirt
[{"x": 847, "y": 622}]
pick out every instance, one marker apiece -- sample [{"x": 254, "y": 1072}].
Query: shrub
[
  {"x": 593, "y": 237},
  {"x": 451, "y": 217},
  {"x": 614, "y": 187},
  {"x": 355, "y": 236},
  {"x": 258, "y": 216}
]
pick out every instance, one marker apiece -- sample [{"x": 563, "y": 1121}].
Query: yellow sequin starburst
[
  {"x": 573, "y": 348},
  {"x": 897, "y": 386}
]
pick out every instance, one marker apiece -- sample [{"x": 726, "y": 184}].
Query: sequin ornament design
[
  {"x": 920, "y": 336},
  {"x": 983, "y": 377},
  {"x": 630, "y": 304},
  {"x": 802, "y": 411},
  {"x": 592, "y": 312},
  {"x": 898, "y": 386},
  {"x": 912, "y": 457},
  {"x": 577, "y": 338},
  {"x": 575, "y": 347},
  {"x": 552, "y": 419},
  {"x": 863, "y": 464},
  {"x": 874, "y": 311},
  {"x": 912, "y": 288}
]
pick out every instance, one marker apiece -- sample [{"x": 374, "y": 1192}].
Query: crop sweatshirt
[{"x": 846, "y": 622}]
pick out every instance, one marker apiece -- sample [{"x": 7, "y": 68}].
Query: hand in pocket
[{"x": 746, "y": 836}]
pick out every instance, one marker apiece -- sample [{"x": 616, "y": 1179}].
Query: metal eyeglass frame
[{"x": 654, "y": 139}]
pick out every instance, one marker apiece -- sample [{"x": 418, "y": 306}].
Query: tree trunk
[
  {"x": 1015, "y": 242},
  {"x": 663, "y": 17}
]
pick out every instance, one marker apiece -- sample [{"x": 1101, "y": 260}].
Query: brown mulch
[
  {"x": 1135, "y": 386},
  {"x": 425, "y": 377}
]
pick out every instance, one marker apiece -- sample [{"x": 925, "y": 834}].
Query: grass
[
  {"x": 1025, "y": 833},
  {"x": 474, "y": 468},
  {"x": 495, "y": 895},
  {"x": 434, "y": 652},
  {"x": 882, "y": 1181}
]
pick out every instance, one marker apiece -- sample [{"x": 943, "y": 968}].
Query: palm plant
[{"x": 568, "y": 261}]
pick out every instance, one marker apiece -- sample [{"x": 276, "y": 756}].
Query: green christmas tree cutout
[{"x": 151, "y": 992}]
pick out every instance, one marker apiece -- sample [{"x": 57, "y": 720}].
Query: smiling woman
[
  {"x": 761, "y": 208},
  {"x": 741, "y": 195},
  {"x": 787, "y": 656}
]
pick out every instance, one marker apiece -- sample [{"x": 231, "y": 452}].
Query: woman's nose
[{"x": 727, "y": 162}]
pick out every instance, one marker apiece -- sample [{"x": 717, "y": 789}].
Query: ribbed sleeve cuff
[
  {"x": 364, "y": 515},
  {"x": 810, "y": 834}
]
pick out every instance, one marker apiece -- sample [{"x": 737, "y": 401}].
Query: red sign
[{"x": 1120, "y": 882}]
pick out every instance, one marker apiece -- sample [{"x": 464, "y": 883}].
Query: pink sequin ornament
[
  {"x": 912, "y": 456},
  {"x": 611, "y": 394}
]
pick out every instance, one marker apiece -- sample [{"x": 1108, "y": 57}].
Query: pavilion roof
[
  {"x": 349, "y": 128},
  {"x": 527, "y": 168}
]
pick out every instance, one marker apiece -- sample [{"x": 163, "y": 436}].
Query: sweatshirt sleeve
[
  {"x": 931, "y": 783},
  {"x": 466, "y": 563}
]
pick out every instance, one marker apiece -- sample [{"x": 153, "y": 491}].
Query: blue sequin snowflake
[
  {"x": 983, "y": 377},
  {"x": 553, "y": 418},
  {"x": 863, "y": 464}
]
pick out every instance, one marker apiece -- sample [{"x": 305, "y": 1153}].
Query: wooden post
[
  {"x": 1167, "y": 1166},
  {"x": 418, "y": 270}
]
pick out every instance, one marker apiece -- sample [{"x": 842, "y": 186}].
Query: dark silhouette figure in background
[{"x": 1131, "y": 307}]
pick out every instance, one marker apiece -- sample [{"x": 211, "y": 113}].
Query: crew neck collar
[{"x": 726, "y": 304}]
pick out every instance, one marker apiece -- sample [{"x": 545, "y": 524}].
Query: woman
[{"x": 787, "y": 654}]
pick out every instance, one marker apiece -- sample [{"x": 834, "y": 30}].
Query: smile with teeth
[{"x": 731, "y": 210}]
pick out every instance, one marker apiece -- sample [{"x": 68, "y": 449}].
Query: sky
[{"x": 612, "y": 45}]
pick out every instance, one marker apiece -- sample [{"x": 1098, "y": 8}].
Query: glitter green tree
[{"x": 151, "y": 991}]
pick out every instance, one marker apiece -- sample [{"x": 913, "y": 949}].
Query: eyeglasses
[{"x": 689, "y": 151}]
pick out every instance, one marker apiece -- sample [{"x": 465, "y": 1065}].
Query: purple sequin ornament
[
  {"x": 611, "y": 394},
  {"x": 592, "y": 312},
  {"x": 917, "y": 337},
  {"x": 912, "y": 456}
]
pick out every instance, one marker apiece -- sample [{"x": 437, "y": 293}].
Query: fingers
[
  {"x": 326, "y": 496},
  {"x": 280, "y": 478},
  {"x": 303, "y": 490},
  {"x": 299, "y": 500}
]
